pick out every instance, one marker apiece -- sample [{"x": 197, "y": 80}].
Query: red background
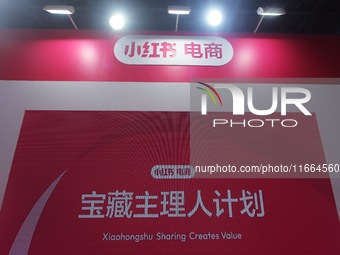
[
  {"x": 109, "y": 151},
  {"x": 88, "y": 56}
]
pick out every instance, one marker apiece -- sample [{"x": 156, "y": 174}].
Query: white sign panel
[{"x": 173, "y": 50}]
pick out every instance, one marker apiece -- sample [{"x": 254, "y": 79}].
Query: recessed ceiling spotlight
[
  {"x": 117, "y": 21},
  {"x": 214, "y": 17},
  {"x": 59, "y": 9}
]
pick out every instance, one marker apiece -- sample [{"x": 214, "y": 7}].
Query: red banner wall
[
  {"x": 102, "y": 158},
  {"x": 88, "y": 56}
]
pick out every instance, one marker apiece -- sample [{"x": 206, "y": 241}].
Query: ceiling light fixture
[
  {"x": 62, "y": 9},
  {"x": 214, "y": 17},
  {"x": 59, "y": 9},
  {"x": 178, "y": 10},
  {"x": 270, "y": 11},
  {"x": 117, "y": 21}
]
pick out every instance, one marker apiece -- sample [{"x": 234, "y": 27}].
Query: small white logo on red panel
[{"x": 173, "y": 50}]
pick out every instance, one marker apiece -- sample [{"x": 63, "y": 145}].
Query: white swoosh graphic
[{"x": 23, "y": 239}]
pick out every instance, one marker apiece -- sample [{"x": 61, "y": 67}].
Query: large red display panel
[
  {"x": 85, "y": 182},
  {"x": 89, "y": 56}
]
